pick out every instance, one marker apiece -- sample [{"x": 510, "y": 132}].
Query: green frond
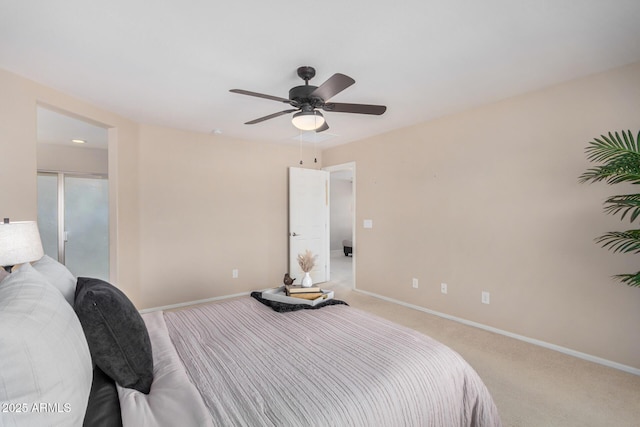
[
  {"x": 621, "y": 241},
  {"x": 610, "y": 174},
  {"x": 629, "y": 279},
  {"x": 618, "y": 169},
  {"x": 610, "y": 147},
  {"x": 619, "y": 158},
  {"x": 628, "y": 203}
]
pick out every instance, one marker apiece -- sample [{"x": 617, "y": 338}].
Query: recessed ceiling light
[{"x": 79, "y": 141}]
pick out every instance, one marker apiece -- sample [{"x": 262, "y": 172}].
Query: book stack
[{"x": 297, "y": 291}]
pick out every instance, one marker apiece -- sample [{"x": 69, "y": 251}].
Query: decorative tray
[{"x": 278, "y": 294}]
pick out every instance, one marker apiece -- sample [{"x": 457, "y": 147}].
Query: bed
[{"x": 236, "y": 363}]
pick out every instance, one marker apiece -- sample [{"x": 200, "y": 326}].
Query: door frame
[
  {"x": 112, "y": 176},
  {"x": 351, "y": 166}
]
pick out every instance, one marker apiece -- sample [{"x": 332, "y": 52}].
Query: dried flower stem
[{"x": 307, "y": 261}]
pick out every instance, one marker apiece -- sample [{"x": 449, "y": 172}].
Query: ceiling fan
[{"x": 307, "y": 99}]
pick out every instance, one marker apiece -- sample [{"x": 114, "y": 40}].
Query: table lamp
[{"x": 19, "y": 243}]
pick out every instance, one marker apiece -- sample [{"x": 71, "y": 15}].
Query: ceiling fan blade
[
  {"x": 260, "y": 95},
  {"x": 340, "y": 107},
  {"x": 336, "y": 84},
  {"x": 322, "y": 128},
  {"x": 270, "y": 116}
]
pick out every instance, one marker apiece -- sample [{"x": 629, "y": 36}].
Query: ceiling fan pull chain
[
  {"x": 315, "y": 147},
  {"x": 300, "y": 139}
]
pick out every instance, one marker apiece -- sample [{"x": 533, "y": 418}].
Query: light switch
[{"x": 368, "y": 223}]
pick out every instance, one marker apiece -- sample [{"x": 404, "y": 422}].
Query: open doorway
[
  {"x": 73, "y": 201},
  {"x": 342, "y": 225}
]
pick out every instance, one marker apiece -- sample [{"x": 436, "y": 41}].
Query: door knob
[{"x": 294, "y": 234}]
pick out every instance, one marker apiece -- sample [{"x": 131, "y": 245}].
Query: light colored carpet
[{"x": 531, "y": 385}]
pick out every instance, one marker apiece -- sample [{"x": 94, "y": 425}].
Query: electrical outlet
[
  {"x": 234, "y": 273},
  {"x": 486, "y": 297},
  {"x": 415, "y": 283},
  {"x": 443, "y": 288}
]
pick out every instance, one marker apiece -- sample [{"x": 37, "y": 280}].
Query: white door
[{"x": 309, "y": 221}]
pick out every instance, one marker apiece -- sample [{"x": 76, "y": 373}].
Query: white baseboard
[
  {"x": 185, "y": 304},
  {"x": 568, "y": 351}
]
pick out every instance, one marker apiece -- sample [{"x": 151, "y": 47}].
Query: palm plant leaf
[
  {"x": 614, "y": 173},
  {"x": 628, "y": 203},
  {"x": 629, "y": 279},
  {"x": 621, "y": 241},
  {"x": 621, "y": 157},
  {"x": 614, "y": 145}
]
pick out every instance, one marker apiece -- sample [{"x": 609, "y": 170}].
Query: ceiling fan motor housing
[{"x": 301, "y": 95}]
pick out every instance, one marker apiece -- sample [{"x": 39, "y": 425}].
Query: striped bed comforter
[{"x": 337, "y": 366}]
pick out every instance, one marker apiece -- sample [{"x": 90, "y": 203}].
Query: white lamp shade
[
  {"x": 308, "y": 120},
  {"x": 19, "y": 243}
]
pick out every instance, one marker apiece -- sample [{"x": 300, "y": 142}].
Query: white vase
[{"x": 306, "y": 281}]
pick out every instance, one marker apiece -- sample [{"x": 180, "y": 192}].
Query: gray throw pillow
[{"x": 116, "y": 334}]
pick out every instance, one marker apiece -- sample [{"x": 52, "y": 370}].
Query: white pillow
[
  {"x": 3, "y": 273},
  {"x": 58, "y": 275},
  {"x": 45, "y": 364}
]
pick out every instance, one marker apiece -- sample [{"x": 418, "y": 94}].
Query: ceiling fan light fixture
[{"x": 308, "y": 120}]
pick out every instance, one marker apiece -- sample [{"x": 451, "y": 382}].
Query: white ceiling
[{"x": 172, "y": 62}]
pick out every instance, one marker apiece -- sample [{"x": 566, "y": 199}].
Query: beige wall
[
  {"x": 210, "y": 204},
  {"x": 489, "y": 200},
  {"x": 18, "y": 166}
]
